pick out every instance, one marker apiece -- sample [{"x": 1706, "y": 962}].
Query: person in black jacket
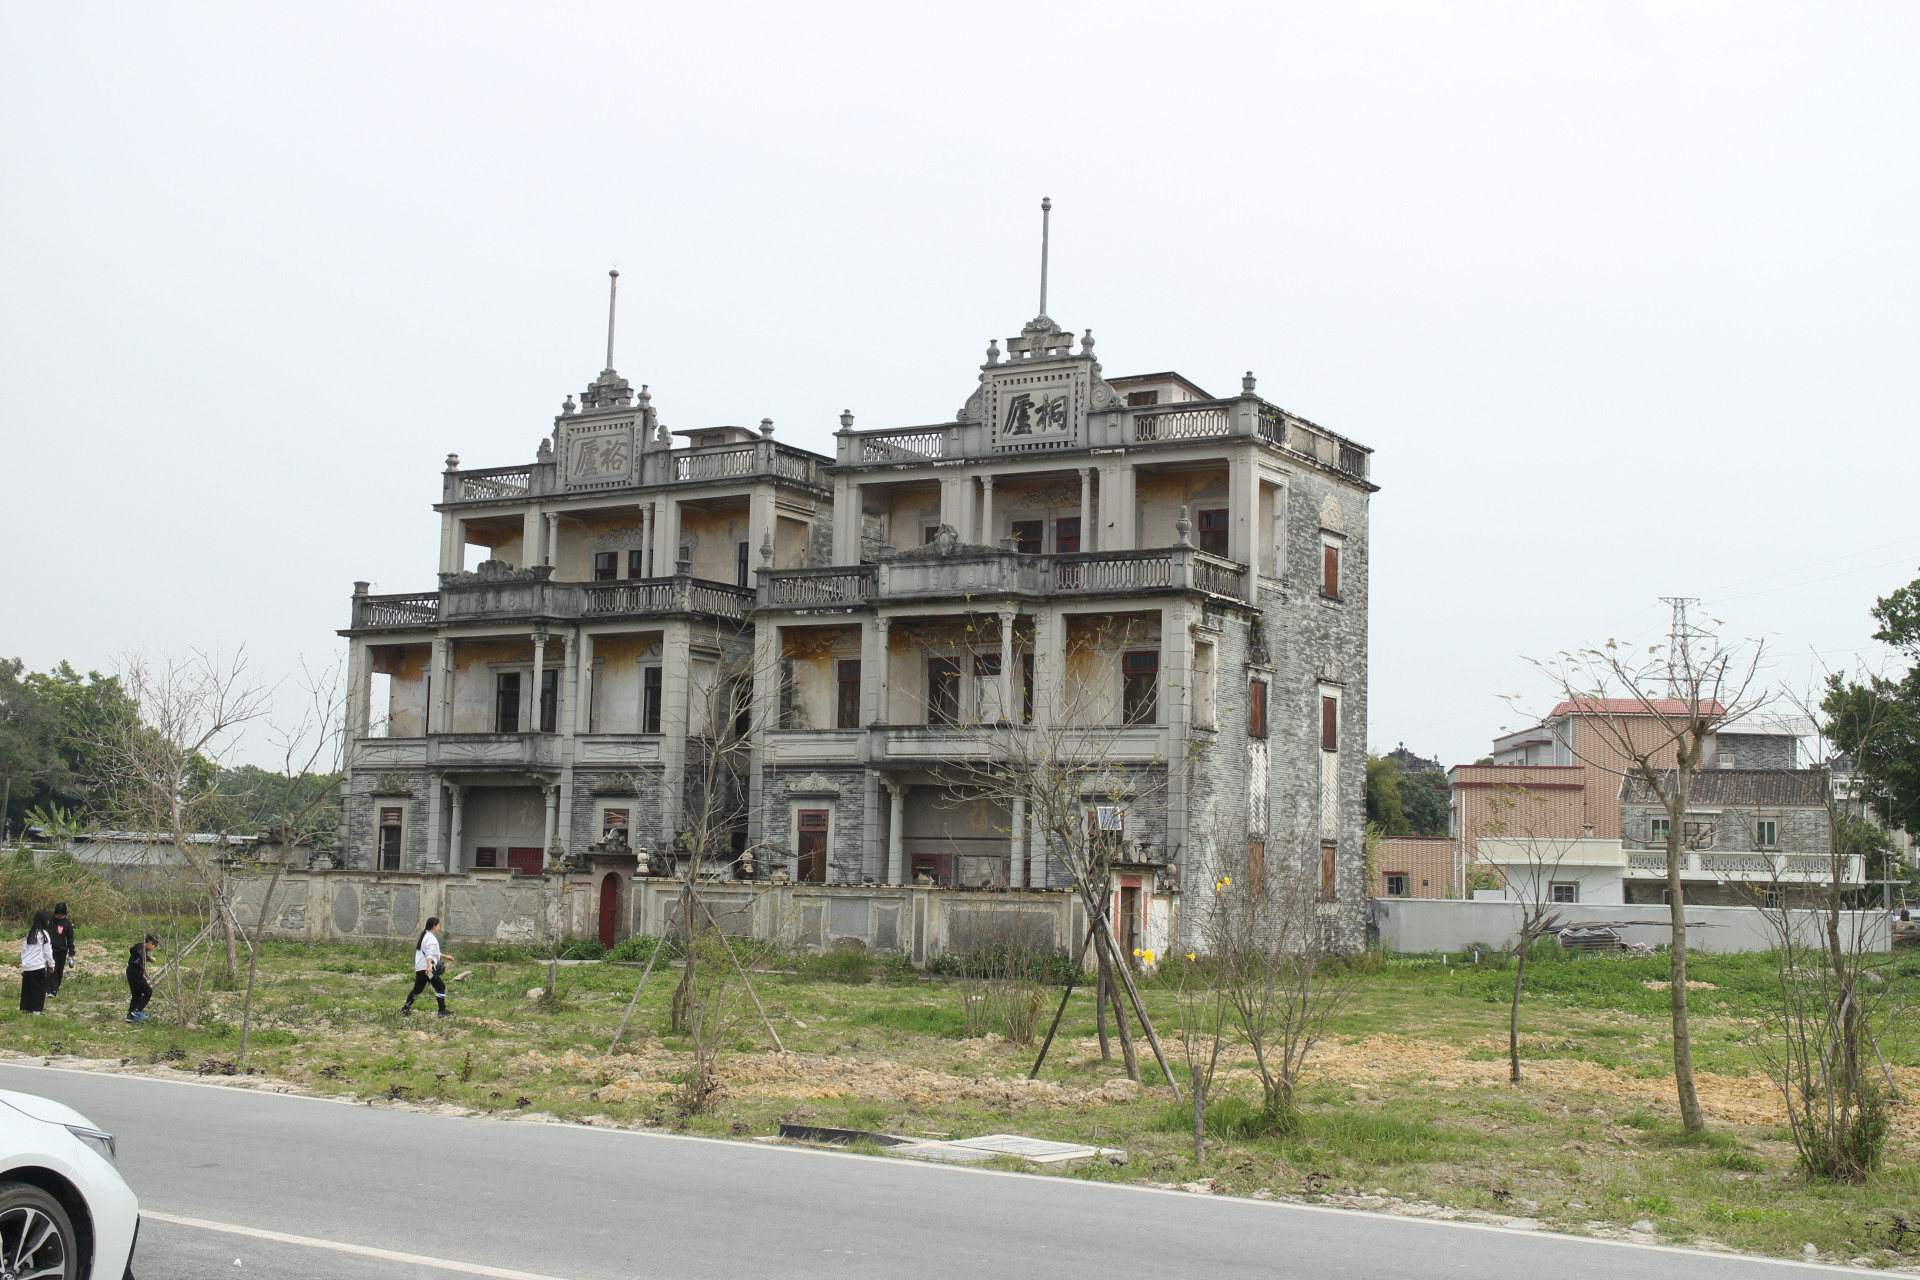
[
  {"x": 139, "y": 990},
  {"x": 63, "y": 947}
]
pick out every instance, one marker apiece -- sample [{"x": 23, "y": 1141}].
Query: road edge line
[{"x": 337, "y": 1246}]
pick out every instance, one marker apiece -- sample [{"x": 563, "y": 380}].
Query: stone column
[
  {"x": 553, "y": 821},
  {"x": 539, "y": 678},
  {"x": 1050, "y": 668},
  {"x": 436, "y": 833},
  {"x": 646, "y": 541},
  {"x": 1243, "y": 514},
  {"x": 532, "y": 526},
  {"x": 1089, "y": 540},
  {"x": 1009, "y": 709},
  {"x": 882, "y": 664},
  {"x": 666, "y": 536},
  {"x": 456, "y": 850},
  {"x": 849, "y": 502},
  {"x": 453, "y": 545},
  {"x": 1017, "y": 872},
  {"x": 896, "y": 859},
  {"x": 359, "y": 687},
  {"x": 550, "y": 553},
  {"x": 986, "y": 512},
  {"x": 583, "y": 684}
]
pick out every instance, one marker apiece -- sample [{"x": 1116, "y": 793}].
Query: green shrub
[
  {"x": 26, "y": 888},
  {"x": 583, "y": 949},
  {"x": 838, "y": 964},
  {"x": 640, "y": 947},
  {"x": 491, "y": 952}
]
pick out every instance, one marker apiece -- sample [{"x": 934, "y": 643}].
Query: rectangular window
[
  {"x": 650, "y": 699},
  {"x": 1657, "y": 829},
  {"x": 1700, "y": 835},
  {"x": 986, "y": 687},
  {"x": 549, "y": 701},
  {"x": 506, "y": 702},
  {"x": 1330, "y": 571},
  {"x": 1137, "y": 398},
  {"x": 486, "y": 857},
  {"x": 1213, "y": 531},
  {"x": 1566, "y": 891},
  {"x": 1256, "y": 866},
  {"x": 1329, "y": 724},
  {"x": 1026, "y": 536},
  {"x": 636, "y": 564},
  {"x": 1066, "y": 534},
  {"x": 1140, "y": 687},
  {"x": 1766, "y": 833},
  {"x": 848, "y": 708},
  {"x": 390, "y": 839},
  {"x": 1773, "y": 899},
  {"x": 1329, "y": 881},
  {"x": 605, "y": 565},
  {"x": 1399, "y": 884},
  {"x": 1257, "y": 709},
  {"x": 943, "y": 690},
  {"x": 741, "y": 553},
  {"x": 1026, "y": 688}
]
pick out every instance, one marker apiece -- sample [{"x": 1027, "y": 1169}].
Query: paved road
[{"x": 601, "y": 1204}]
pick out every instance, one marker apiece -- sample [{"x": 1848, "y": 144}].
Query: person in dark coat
[
  {"x": 36, "y": 962},
  {"x": 63, "y": 948},
  {"x": 139, "y": 990}
]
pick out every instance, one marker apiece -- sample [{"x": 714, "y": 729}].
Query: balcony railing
[
  {"x": 1183, "y": 424},
  {"x": 492, "y": 484},
  {"x": 982, "y": 570},
  {"x": 652, "y": 465},
  {"x": 718, "y": 465},
  {"x": 904, "y": 446},
  {"x": 550, "y": 601},
  {"x": 420, "y": 609}
]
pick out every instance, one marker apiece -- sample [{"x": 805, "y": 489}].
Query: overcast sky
[{"x": 1623, "y": 296}]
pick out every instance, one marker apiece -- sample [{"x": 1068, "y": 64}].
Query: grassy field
[{"x": 1407, "y": 1109}]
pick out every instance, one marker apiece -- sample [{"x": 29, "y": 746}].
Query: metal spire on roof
[
  {"x": 1046, "y": 217},
  {"x": 613, "y": 296}
]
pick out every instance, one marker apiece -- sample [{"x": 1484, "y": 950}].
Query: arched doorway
[{"x": 609, "y": 907}]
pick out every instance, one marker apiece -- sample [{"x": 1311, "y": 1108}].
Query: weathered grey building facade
[{"x": 1131, "y": 552}]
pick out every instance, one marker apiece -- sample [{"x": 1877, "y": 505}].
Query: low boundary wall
[
  {"x": 1424, "y": 926},
  {"x": 504, "y": 906}
]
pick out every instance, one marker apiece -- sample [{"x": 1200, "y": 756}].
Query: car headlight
[{"x": 101, "y": 1142}]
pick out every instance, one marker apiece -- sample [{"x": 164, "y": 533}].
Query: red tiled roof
[{"x": 1633, "y": 707}]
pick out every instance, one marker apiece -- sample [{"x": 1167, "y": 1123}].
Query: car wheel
[{"x": 37, "y": 1240}]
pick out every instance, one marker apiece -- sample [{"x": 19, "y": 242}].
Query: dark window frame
[
  {"x": 550, "y": 700},
  {"x": 1256, "y": 708},
  {"x": 1066, "y": 530},
  {"x": 606, "y": 566},
  {"x": 1329, "y": 723},
  {"x": 652, "y": 687},
  {"x": 846, "y": 673},
  {"x": 943, "y": 690},
  {"x": 1215, "y": 525},
  {"x": 1140, "y": 686},
  {"x": 636, "y": 563},
  {"x": 506, "y": 702},
  {"x": 1330, "y": 570},
  {"x": 1029, "y": 536},
  {"x": 1405, "y": 887},
  {"x": 392, "y": 838},
  {"x": 742, "y": 562}
]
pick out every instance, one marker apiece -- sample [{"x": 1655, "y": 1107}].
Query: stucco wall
[{"x": 1424, "y": 927}]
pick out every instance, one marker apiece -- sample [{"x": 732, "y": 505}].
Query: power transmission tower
[{"x": 1679, "y": 652}]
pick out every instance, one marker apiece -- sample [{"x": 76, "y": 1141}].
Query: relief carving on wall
[{"x": 815, "y": 784}]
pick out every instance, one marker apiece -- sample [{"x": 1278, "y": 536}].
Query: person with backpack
[
  {"x": 139, "y": 990},
  {"x": 64, "y": 950},
  {"x": 36, "y": 962},
  {"x": 429, "y": 966}
]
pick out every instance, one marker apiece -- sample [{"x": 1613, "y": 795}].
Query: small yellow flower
[
  {"x": 1189, "y": 955},
  {"x": 1136, "y": 953},
  {"x": 1226, "y": 879}
]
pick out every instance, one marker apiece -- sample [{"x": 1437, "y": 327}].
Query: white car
[{"x": 65, "y": 1212}]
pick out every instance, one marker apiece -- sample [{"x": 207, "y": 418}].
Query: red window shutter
[
  {"x": 1329, "y": 724},
  {"x": 1257, "y": 709},
  {"x": 1330, "y": 570}
]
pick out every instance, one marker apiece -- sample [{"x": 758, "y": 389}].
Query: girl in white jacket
[
  {"x": 428, "y": 966},
  {"x": 36, "y": 963}
]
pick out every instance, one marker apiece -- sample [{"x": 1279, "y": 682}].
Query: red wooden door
[
  {"x": 528, "y": 862},
  {"x": 813, "y": 846},
  {"x": 609, "y": 907}
]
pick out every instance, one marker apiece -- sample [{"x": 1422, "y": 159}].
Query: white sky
[{"x": 1622, "y": 295}]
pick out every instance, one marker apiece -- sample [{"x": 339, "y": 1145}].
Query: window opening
[
  {"x": 390, "y": 839},
  {"x": 1566, "y": 891},
  {"x": 1766, "y": 833},
  {"x": 1257, "y": 709},
  {"x": 1329, "y": 724},
  {"x": 1026, "y": 687},
  {"x": 1140, "y": 686},
  {"x": 604, "y": 565},
  {"x": 1066, "y": 534},
  {"x": 740, "y": 555},
  {"x": 506, "y": 702},
  {"x": 1399, "y": 884},
  {"x": 1026, "y": 536},
  {"x": 549, "y": 701},
  {"x": 1213, "y": 531},
  {"x": 636, "y": 564},
  {"x": 1657, "y": 829},
  {"x": 848, "y": 710},
  {"x": 1330, "y": 571},
  {"x": 813, "y": 846},
  {"x": 650, "y": 700},
  {"x": 486, "y": 857},
  {"x": 1328, "y": 881},
  {"x": 943, "y": 690},
  {"x": 612, "y": 820},
  {"x": 986, "y": 687},
  {"x": 1137, "y": 398}
]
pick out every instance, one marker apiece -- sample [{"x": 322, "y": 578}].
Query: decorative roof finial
[
  {"x": 613, "y": 295},
  {"x": 766, "y": 428},
  {"x": 1046, "y": 217},
  {"x": 846, "y": 420}
]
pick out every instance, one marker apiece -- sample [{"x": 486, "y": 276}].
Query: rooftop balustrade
[
  {"x": 707, "y": 464},
  {"x": 1243, "y": 417}
]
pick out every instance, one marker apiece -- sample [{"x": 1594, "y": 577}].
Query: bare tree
[
  {"x": 313, "y": 744},
  {"x": 1529, "y": 872},
  {"x": 1281, "y": 978},
  {"x": 1661, "y": 738},
  {"x": 1059, "y": 772},
  {"x": 163, "y": 769}
]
